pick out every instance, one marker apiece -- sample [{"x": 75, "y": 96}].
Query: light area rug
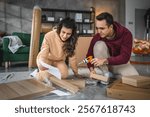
[
  {"x": 91, "y": 91},
  {"x": 16, "y": 76}
]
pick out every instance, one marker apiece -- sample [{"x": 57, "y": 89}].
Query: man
[{"x": 111, "y": 48}]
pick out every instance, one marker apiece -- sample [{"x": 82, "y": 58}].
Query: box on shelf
[
  {"x": 137, "y": 81},
  {"x": 78, "y": 17},
  {"x": 123, "y": 91},
  {"x": 84, "y": 31},
  {"x": 90, "y": 31},
  {"x": 50, "y": 18},
  {"x": 87, "y": 20},
  {"x": 78, "y": 31}
]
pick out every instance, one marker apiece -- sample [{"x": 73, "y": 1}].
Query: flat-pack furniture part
[
  {"x": 64, "y": 84},
  {"x": 99, "y": 77},
  {"x": 118, "y": 90},
  {"x": 137, "y": 81},
  {"x": 80, "y": 83},
  {"x": 23, "y": 89}
]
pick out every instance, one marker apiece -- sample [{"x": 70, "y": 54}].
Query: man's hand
[
  {"x": 92, "y": 70},
  {"x": 98, "y": 61}
]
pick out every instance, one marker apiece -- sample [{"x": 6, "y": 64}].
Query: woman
[{"x": 58, "y": 45}]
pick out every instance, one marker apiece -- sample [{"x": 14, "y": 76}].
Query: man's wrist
[
  {"x": 106, "y": 62},
  {"x": 91, "y": 69}
]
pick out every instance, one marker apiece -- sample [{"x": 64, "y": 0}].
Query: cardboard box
[
  {"x": 137, "y": 81},
  {"x": 123, "y": 91}
]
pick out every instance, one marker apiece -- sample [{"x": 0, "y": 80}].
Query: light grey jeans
[{"x": 101, "y": 51}]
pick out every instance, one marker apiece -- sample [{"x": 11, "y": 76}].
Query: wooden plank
[
  {"x": 99, "y": 77},
  {"x": 137, "y": 81},
  {"x": 18, "y": 88},
  {"x": 7, "y": 92},
  {"x": 35, "y": 36},
  {"x": 25, "y": 89},
  {"x": 2, "y": 96},
  {"x": 29, "y": 86},
  {"x": 123, "y": 91},
  {"x": 64, "y": 84},
  {"x": 77, "y": 82}
]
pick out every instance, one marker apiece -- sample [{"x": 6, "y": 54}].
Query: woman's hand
[{"x": 78, "y": 75}]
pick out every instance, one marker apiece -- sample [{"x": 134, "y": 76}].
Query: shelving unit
[{"x": 85, "y": 19}]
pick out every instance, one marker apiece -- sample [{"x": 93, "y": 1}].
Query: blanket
[{"x": 14, "y": 43}]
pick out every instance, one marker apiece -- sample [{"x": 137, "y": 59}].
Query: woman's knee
[
  {"x": 64, "y": 75},
  {"x": 63, "y": 69}
]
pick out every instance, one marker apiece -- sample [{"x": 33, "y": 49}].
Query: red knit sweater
[{"x": 120, "y": 46}]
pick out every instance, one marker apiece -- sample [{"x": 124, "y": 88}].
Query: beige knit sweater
[{"x": 51, "y": 49}]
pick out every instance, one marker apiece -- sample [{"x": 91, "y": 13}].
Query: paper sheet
[
  {"x": 52, "y": 70},
  {"x": 60, "y": 93}
]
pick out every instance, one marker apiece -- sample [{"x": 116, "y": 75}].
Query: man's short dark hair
[{"x": 106, "y": 16}]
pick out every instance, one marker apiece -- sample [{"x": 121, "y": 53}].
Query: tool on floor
[
  {"x": 7, "y": 77},
  {"x": 86, "y": 60}
]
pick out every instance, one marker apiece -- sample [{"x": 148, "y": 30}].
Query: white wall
[{"x": 131, "y": 5}]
